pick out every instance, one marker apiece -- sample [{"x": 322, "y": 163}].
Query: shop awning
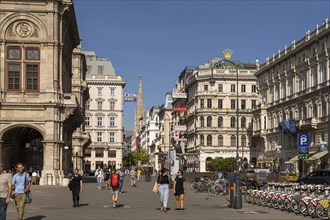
[
  {"x": 295, "y": 159},
  {"x": 318, "y": 155}
]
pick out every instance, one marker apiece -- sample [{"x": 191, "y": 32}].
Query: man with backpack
[{"x": 114, "y": 183}]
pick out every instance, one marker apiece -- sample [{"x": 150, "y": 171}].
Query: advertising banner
[{"x": 171, "y": 161}]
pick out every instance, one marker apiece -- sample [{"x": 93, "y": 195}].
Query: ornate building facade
[
  {"x": 294, "y": 86},
  {"x": 211, "y": 112},
  {"x": 104, "y": 114},
  {"x": 42, "y": 88}
]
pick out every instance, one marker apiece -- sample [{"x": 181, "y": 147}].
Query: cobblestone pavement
[{"x": 135, "y": 203}]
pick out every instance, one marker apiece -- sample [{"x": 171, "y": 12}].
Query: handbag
[
  {"x": 155, "y": 188},
  {"x": 70, "y": 185},
  {"x": 28, "y": 198}
]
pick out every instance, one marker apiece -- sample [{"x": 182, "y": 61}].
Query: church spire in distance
[{"x": 139, "y": 111}]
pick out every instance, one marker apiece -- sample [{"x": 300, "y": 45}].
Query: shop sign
[
  {"x": 179, "y": 108},
  {"x": 130, "y": 97},
  {"x": 179, "y": 95}
]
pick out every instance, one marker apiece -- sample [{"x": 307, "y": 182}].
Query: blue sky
[{"x": 158, "y": 38}]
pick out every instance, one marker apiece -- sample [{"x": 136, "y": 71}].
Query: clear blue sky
[{"x": 158, "y": 38}]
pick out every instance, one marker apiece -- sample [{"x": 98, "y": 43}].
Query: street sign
[{"x": 303, "y": 146}]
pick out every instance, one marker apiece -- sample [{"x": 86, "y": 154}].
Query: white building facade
[
  {"x": 104, "y": 114},
  {"x": 294, "y": 86},
  {"x": 211, "y": 112}
]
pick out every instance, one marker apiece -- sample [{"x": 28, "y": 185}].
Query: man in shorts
[{"x": 114, "y": 185}]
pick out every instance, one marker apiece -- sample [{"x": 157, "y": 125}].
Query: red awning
[
  {"x": 88, "y": 151},
  {"x": 99, "y": 162}
]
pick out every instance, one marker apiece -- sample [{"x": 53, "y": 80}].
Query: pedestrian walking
[
  {"x": 179, "y": 191},
  {"x": 163, "y": 182},
  {"x": 114, "y": 183},
  {"x": 22, "y": 182},
  {"x": 132, "y": 174},
  {"x": 121, "y": 179},
  {"x": 99, "y": 177},
  {"x": 76, "y": 187},
  {"x": 139, "y": 174},
  {"x": 5, "y": 192},
  {"x": 106, "y": 178}
]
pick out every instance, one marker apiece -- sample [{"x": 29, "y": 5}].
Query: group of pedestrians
[
  {"x": 19, "y": 185},
  {"x": 163, "y": 187}
]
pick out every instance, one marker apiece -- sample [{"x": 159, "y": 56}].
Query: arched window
[
  {"x": 314, "y": 110},
  {"x": 220, "y": 140},
  {"x": 202, "y": 140},
  {"x": 209, "y": 140},
  {"x": 232, "y": 122},
  {"x": 209, "y": 121},
  {"x": 202, "y": 121},
  {"x": 220, "y": 122},
  {"x": 233, "y": 141},
  {"x": 243, "y": 141},
  {"x": 243, "y": 122}
]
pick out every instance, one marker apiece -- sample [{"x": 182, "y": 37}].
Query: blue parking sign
[
  {"x": 303, "y": 140},
  {"x": 303, "y": 146}
]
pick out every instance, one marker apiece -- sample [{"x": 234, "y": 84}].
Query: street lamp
[{"x": 227, "y": 54}]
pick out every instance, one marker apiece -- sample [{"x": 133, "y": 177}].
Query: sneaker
[
  {"x": 183, "y": 209},
  {"x": 177, "y": 209},
  {"x": 165, "y": 209},
  {"x": 114, "y": 205}
]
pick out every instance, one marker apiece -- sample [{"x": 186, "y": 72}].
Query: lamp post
[{"x": 238, "y": 194}]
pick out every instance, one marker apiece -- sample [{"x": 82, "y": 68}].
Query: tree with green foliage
[
  {"x": 136, "y": 156},
  {"x": 223, "y": 164}
]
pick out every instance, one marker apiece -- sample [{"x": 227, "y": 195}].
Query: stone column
[{"x": 49, "y": 164}]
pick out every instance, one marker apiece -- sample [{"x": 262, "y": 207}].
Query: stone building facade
[
  {"x": 42, "y": 87},
  {"x": 104, "y": 114},
  {"x": 294, "y": 86},
  {"x": 211, "y": 112}
]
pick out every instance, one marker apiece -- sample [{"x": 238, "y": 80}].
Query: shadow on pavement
[
  {"x": 39, "y": 217},
  {"x": 85, "y": 204}
]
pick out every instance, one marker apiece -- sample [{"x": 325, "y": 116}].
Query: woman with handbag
[
  {"x": 163, "y": 182},
  {"x": 76, "y": 182}
]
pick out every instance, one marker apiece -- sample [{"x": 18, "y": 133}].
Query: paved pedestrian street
[{"x": 135, "y": 203}]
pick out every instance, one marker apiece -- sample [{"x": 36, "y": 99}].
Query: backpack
[{"x": 115, "y": 180}]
